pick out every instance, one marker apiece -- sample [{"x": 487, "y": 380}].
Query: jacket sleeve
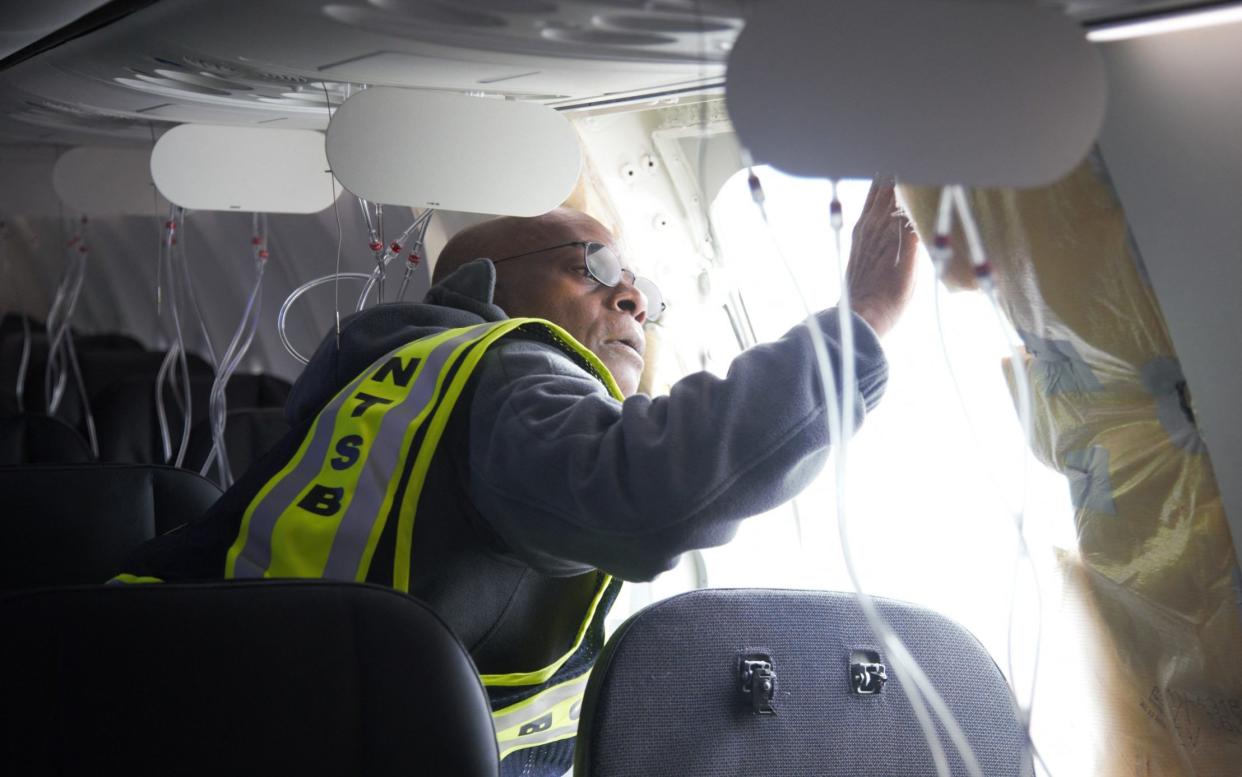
[{"x": 569, "y": 478}]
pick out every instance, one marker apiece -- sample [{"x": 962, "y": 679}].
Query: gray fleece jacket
[{"x": 543, "y": 478}]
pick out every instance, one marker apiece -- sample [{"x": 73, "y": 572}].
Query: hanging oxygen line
[
  {"x": 58, "y": 317},
  {"x": 176, "y": 364},
  {"x": 375, "y": 235},
  {"x": 62, "y": 357},
  {"x": 953, "y": 201},
  {"x": 413, "y": 237},
  {"x": 23, "y": 364},
  {"x": 233, "y": 355},
  {"x": 188, "y": 279},
  {"x": 418, "y": 230},
  {"x": 24, "y": 360},
  {"x": 922, "y": 693}
]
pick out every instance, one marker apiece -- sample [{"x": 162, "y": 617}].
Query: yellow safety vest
[{"x": 322, "y": 515}]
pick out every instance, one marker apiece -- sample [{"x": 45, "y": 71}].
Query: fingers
[
  {"x": 908, "y": 245},
  {"x": 875, "y": 187}
]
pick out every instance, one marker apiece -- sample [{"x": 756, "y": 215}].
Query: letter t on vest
[
  {"x": 322, "y": 500},
  {"x": 365, "y": 401}
]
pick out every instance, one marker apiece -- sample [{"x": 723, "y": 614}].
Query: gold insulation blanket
[{"x": 1113, "y": 413}]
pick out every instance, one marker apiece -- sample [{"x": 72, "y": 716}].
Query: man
[{"x": 503, "y": 469}]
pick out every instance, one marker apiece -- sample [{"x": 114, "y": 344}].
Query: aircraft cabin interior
[{"x": 274, "y": 319}]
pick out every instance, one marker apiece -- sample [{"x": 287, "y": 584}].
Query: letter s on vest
[{"x": 347, "y": 451}]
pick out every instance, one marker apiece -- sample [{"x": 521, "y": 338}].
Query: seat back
[
  {"x": 66, "y": 524},
  {"x": 34, "y": 438},
  {"x": 248, "y": 434},
  {"x": 128, "y": 422},
  {"x": 680, "y": 690},
  {"x": 96, "y": 354},
  {"x": 306, "y": 678}
]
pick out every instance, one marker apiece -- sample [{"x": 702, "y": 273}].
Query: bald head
[
  {"x": 508, "y": 235},
  {"x": 554, "y": 284}
]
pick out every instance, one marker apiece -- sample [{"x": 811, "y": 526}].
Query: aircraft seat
[
  {"x": 277, "y": 677},
  {"x": 104, "y": 358},
  {"x": 784, "y": 684},
  {"x": 129, "y": 427},
  {"x": 77, "y": 523},
  {"x": 34, "y": 438},
  {"x": 248, "y": 434}
]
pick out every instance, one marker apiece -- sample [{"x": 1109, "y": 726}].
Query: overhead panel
[
  {"x": 100, "y": 181},
  {"x": 474, "y": 154},
  {"x": 26, "y": 23},
  {"x": 935, "y": 91},
  {"x": 290, "y": 63},
  {"x": 208, "y": 167}
]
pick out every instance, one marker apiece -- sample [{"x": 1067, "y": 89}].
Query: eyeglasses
[{"x": 604, "y": 267}]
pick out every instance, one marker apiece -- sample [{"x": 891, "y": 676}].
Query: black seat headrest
[
  {"x": 284, "y": 677},
  {"x": 34, "y": 438},
  {"x": 258, "y": 390},
  {"x": 248, "y": 434},
  {"x": 128, "y": 423},
  {"x": 77, "y": 523}
]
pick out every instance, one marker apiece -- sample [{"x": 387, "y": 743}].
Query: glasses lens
[
  {"x": 603, "y": 264},
  {"x": 655, "y": 300}
]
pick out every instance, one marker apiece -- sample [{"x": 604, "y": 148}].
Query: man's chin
[{"x": 626, "y": 376}]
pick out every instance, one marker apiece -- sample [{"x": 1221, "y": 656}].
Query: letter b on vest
[{"x": 322, "y": 500}]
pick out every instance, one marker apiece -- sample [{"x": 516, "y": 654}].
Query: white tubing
[
  {"x": 233, "y": 355},
  {"x": 89, "y": 417},
  {"x": 919, "y": 688},
  {"x": 418, "y": 228},
  {"x": 23, "y": 364},
  {"x": 979, "y": 260},
  {"x": 193, "y": 294},
  {"x": 282, "y": 316},
  {"x": 176, "y": 356}
]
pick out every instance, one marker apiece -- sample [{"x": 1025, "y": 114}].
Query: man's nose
[{"x": 627, "y": 298}]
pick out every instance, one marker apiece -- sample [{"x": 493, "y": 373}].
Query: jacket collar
[{"x": 471, "y": 287}]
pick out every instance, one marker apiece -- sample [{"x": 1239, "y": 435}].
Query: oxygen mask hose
[
  {"x": 416, "y": 231},
  {"x": 953, "y": 199},
  {"x": 375, "y": 241},
  {"x": 921, "y": 692},
  {"x": 176, "y": 363},
  {"x": 192, "y": 293},
  {"x": 60, "y": 317},
  {"x": 23, "y": 365},
  {"x": 238, "y": 347},
  {"x": 283, "y": 316}
]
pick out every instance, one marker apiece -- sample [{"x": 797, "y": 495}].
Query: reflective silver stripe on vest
[
  {"x": 549, "y": 716},
  {"x": 538, "y": 705},
  {"x": 256, "y": 554},
  {"x": 538, "y": 738},
  {"x": 354, "y": 531}
]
